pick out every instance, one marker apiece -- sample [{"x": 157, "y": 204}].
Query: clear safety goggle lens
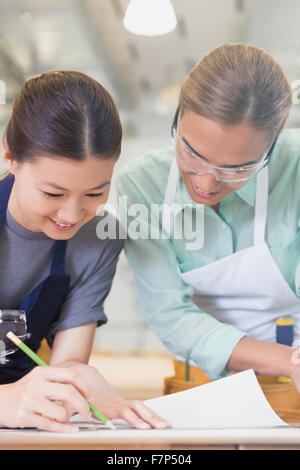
[{"x": 195, "y": 164}]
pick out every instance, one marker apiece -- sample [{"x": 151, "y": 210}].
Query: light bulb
[{"x": 150, "y": 17}]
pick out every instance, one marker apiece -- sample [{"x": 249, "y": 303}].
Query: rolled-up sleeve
[{"x": 165, "y": 298}]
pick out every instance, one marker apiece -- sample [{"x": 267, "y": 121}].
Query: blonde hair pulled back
[{"x": 237, "y": 83}]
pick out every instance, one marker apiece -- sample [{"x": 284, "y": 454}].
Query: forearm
[
  {"x": 73, "y": 346},
  {"x": 195, "y": 335},
  {"x": 264, "y": 357}
]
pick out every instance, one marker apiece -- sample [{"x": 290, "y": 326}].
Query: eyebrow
[
  {"x": 225, "y": 166},
  {"x": 55, "y": 186}
]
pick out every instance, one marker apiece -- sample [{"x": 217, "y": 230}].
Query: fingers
[
  {"x": 45, "y": 396},
  {"x": 132, "y": 418},
  {"x": 70, "y": 396},
  {"x": 141, "y": 417},
  {"x": 150, "y": 416},
  {"x": 49, "y": 409},
  {"x": 57, "y": 384},
  {"x": 47, "y": 424},
  {"x": 44, "y": 414},
  {"x": 64, "y": 375}
]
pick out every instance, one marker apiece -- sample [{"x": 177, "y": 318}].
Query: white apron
[{"x": 245, "y": 289}]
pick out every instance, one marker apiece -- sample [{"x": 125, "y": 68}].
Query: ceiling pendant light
[{"x": 150, "y": 17}]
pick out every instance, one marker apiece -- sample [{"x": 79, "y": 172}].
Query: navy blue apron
[{"x": 42, "y": 305}]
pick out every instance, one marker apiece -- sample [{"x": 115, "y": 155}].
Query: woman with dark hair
[
  {"x": 217, "y": 299},
  {"x": 60, "y": 147}
]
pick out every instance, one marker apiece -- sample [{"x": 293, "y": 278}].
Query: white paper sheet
[{"x": 237, "y": 401}]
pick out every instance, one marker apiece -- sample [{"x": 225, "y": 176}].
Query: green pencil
[
  {"x": 187, "y": 370},
  {"x": 39, "y": 361}
]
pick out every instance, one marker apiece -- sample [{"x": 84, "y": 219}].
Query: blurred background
[{"x": 143, "y": 74}]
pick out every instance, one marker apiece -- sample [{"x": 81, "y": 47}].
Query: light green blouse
[{"x": 164, "y": 297}]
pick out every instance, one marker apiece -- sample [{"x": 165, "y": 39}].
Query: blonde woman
[{"x": 216, "y": 301}]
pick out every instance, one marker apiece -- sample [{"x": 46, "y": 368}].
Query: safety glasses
[{"x": 197, "y": 164}]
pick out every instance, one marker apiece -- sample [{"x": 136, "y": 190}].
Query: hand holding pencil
[
  {"x": 135, "y": 412},
  {"x": 61, "y": 384}
]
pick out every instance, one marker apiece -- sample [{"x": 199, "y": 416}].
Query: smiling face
[
  {"x": 57, "y": 196},
  {"x": 220, "y": 145}
]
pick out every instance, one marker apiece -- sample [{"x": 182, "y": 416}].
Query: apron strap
[
  {"x": 170, "y": 194},
  {"x": 261, "y": 205},
  {"x": 5, "y": 189},
  {"x": 58, "y": 260}
]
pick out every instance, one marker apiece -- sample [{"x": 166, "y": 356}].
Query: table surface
[
  {"x": 280, "y": 438},
  {"x": 140, "y": 386}
]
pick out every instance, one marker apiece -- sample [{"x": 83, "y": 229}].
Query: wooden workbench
[{"x": 275, "y": 438}]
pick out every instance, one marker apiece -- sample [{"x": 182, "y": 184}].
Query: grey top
[{"x": 25, "y": 260}]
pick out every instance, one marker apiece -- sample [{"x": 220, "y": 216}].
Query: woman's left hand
[{"x": 112, "y": 405}]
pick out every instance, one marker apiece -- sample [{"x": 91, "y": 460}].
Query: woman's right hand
[{"x": 43, "y": 399}]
